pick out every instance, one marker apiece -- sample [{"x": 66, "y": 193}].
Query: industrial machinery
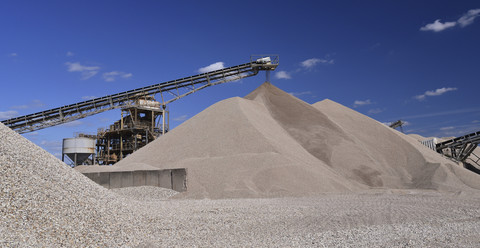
[
  {"x": 79, "y": 150},
  {"x": 459, "y": 148},
  {"x": 143, "y": 118},
  {"x": 397, "y": 124},
  {"x": 140, "y": 123},
  {"x": 177, "y": 88}
]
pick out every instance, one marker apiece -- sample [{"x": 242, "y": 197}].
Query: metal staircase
[{"x": 176, "y": 88}]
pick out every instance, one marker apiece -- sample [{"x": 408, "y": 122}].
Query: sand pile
[{"x": 272, "y": 144}]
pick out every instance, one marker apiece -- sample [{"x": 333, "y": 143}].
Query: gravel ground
[
  {"x": 381, "y": 219},
  {"x": 44, "y": 203},
  {"x": 145, "y": 193}
]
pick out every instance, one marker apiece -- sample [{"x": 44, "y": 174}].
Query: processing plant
[{"x": 143, "y": 118}]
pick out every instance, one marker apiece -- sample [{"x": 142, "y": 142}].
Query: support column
[
  {"x": 163, "y": 119},
  {"x": 121, "y": 121},
  {"x": 136, "y": 141},
  {"x": 121, "y": 147},
  {"x": 108, "y": 149}
]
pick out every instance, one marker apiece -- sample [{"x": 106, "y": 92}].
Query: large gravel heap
[
  {"x": 271, "y": 144},
  {"x": 45, "y": 202},
  {"x": 265, "y": 145}
]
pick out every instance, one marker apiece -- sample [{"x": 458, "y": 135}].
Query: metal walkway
[
  {"x": 459, "y": 148},
  {"x": 176, "y": 89}
]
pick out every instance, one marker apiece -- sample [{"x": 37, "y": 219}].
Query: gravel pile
[
  {"x": 145, "y": 193},
  {"x": 44, "y": 202},
  {"x": 251, "y": 150},
  {"x": 272, "y": 144}
]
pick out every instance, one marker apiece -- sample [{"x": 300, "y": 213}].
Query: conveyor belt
[
  {"x": 461, "y": 147},
  {"x": 187, "y": 85}
]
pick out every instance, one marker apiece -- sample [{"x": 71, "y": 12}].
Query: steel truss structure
[
  {"x": 138, "y": 126},
  {"x": 397, "y": 124},
  {"x": 459, "y": 148},
  {"x": 176, "y": 89}
]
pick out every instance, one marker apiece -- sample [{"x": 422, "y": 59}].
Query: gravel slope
[
  {"x": 44, "y": 203},
  {"x": 272, "y": 144}
]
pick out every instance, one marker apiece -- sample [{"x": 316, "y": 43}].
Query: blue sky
[{"x": 412, "y": 60}]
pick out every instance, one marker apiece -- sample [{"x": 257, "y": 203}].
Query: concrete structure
[
  {"x": 78, "y": 149},
  {"x": 175, "y": 179}
]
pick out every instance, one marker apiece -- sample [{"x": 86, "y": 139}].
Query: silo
[{"x": 78, "y": 149}]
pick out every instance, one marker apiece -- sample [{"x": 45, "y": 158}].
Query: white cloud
[
  {"x": 181, "y": 118},
  {"x": 73, "y": 124},
  {"x": 420, "y": 97},
  {"x": 305, "y": 65},
  {"x": 445, "y": 113},
  {"x": 309, "y": 63},
  {"x": 358, "y": 103},
  {"x": 32, "y": 104},
  {"x": 69, "y": 54},
  {"x": 375, "y": 46},
  {"x": 282, "y": 75},
  {"x": 439, "y": 92},
  {"x": 436, "y": 92},
  {"x": 446, "y": 128},
  {"x": 113, "y": 75},
  {"x": 78, "y": 67},
  {"x": 13, "y": 55},
  {"x": 437, "y": 26},
  {"x": 463, "y": 21},
  {"x": 212, "y": 67},
  {"x": 476, "y": 121},
  {"x": 50, "y": 145},
  {"x": 87, "y": 71},
  {"x": 110, "y": 76},
  {"x": 8, "y": 114},
  {"x": 88, "y": 97},
  {"x": 469, "y": 17},
  {"x": 297, "y": 94},
  {"x": 375, "y": 111}
]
